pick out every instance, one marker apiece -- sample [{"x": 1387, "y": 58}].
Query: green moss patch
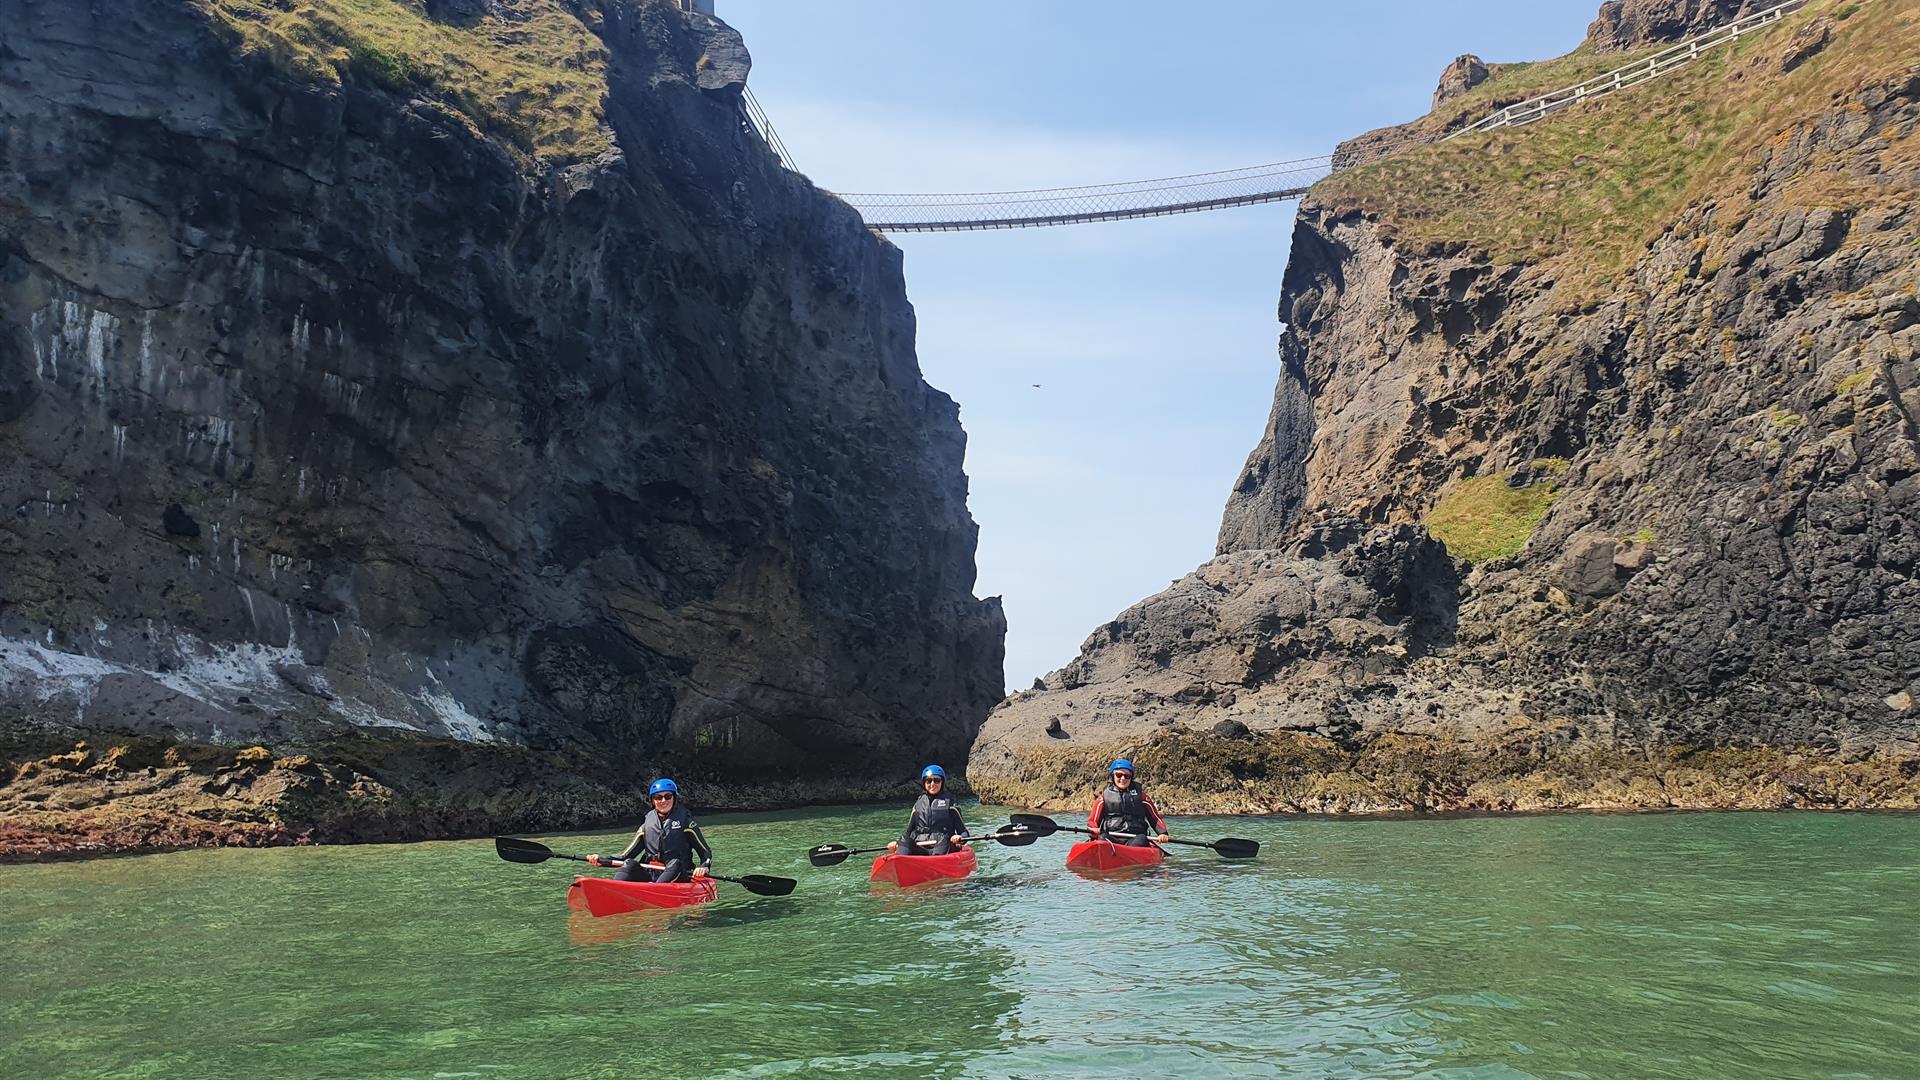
[
  {"x": 532, "y": 76},
  {"x": 1856, "y": 381},
  {"x": 1487, "y": 518}
]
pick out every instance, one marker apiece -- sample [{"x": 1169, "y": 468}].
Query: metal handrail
[{"x": 756, "y": 119}]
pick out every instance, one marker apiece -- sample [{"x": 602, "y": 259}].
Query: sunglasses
[
  {"x": 1128, "y": 775},
  {"x": 667, "y": 795}
]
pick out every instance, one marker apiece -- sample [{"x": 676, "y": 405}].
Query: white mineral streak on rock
[
  {"x": 101, "y": 331},
  {"x": 459, "y": 723},
  {"x": 42, "y": 347},
  {"x": 215, "y": 675},
  {"x": 146, "y": 353},
  {"x": 46, "y": 673},
  {"x": 219, "y": 442}
]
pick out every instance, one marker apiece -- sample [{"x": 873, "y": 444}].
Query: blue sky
[{"x": 1152, "y": 341}]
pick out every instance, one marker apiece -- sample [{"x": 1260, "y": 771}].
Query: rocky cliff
[
  {"x": 434, "y": 418},
  {"x": 1592, "y": 476}
]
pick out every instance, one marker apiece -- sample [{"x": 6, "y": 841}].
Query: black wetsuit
[
  {"x": 674, "y": 840},
  {"x": 934, "y": 818}
]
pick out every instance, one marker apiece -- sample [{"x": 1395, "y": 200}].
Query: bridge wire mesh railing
[{"x": 1094, "y": 202}]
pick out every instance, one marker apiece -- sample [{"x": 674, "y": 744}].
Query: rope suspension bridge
[
  {"x": 1276, "y": 182},
  {"x": 1098, "y": 202}
]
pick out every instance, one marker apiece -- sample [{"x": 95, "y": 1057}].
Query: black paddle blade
[
  {"x": 1037, "y": 824},
  {"x": 521, "y": 851},
  {"x": 1016, "y": 837},
  {"x": 1237, "y": 849},
  {"x": 762, "y": 885},
  {"x": 827, "y": 855}
]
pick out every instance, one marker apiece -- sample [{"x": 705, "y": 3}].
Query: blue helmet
[
  {"x": 932, "y": 770},
  {"x": 1119, "y": 764},
  {"x": 663, "y": 784}
]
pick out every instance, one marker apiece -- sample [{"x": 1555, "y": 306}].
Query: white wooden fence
[{"x": 1649, "y": 67}]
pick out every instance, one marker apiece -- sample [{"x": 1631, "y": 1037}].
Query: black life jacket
[
  {"x": 1124, "y": 811},
  {"x": 666, "y": 838},
  {"x": 933, "y": 815}
]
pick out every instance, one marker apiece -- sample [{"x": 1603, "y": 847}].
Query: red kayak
[
  {"x": 907, "y": 871},
  {"x": 605, "y": 896},
  {"x": 1107, "y": 855}
]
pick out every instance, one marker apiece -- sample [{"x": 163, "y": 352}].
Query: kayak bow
[
  {"x": 605, "y": 896},
  {"x": 1107, "y": 855},
  {"x": 907, "y": 871}
]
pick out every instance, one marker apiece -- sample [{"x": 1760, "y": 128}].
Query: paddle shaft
[
  {"x": 916, "y": 843},
  {"x": 1000, "y": 834},
  {"x": 524, "y": 851},
  {"x": 1229, "y": 847},
  {"x": 1126, "y": 835}
]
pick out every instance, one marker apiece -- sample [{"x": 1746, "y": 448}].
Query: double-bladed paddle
[
  {"x": 526, "y": 851},
  {"x": 835, "y": 854},
  {"x": 1228, "y": 847}
]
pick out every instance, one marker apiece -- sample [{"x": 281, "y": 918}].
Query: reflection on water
[{"x": 1634, "y": 945}]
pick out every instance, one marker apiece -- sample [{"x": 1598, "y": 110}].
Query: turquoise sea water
[{"x": 1699, "y": 945}]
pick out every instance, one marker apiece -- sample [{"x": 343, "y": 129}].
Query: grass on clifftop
[
  {"x": 532, "y": 75},
  {"x": 1595, "y": 183},
  {"x": 1486, "y": 518},
  {"x": 1508, "y": 84}
]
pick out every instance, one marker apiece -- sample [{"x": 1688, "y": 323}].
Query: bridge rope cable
[{"x": 1088, "y": 202}]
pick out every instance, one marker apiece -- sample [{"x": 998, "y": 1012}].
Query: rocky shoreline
[
  {"x": 1240, "y": 772},
  {"x": 119, "y": 795},
  {"x": 130, "y": 796}
]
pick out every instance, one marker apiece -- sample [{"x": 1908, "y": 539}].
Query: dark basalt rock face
[
  {"x": 1731, "y": 562},
  {"x": 1632, "y": 24},
  {"x": 323, "y": 417},
  {"x": 1466, "y": 72}
]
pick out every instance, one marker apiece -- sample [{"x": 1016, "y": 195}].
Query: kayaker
[
  {"x": 934, "y": 818},
  {"x": 668, "y": 836},
  {"x": 1122, "y": 813}
]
